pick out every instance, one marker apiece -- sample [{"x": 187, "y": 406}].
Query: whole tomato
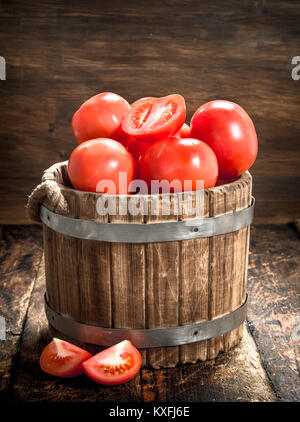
[
  {"x": 101, "y": 159},
  {"x": 229, "y": 131},
  {"x": 184, "y": 132},
  {"x": 182, "y": 159},
  {"x": 137, "y": 148},
  {"x": 101, "y": 117}
]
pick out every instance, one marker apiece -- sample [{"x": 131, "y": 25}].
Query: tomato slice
[
  {"x": 152, "y": 118},
  {"x": 63, "y": 359},
  {"x": 115, "y": 365}
]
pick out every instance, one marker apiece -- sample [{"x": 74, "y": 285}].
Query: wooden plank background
[{"x": 60, "y": 53}]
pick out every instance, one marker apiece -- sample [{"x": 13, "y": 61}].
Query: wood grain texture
[
  {"x": 44, "y": 387},
  {"x": 194, "y": 276},
  {"x": 217, "y": 380},
  {"x": 261, "y": 370},
  {"x": 20, "y": 255},
  {"x": 274, "y": 308},
  {"x": 152, "y": 285},
  {"x": 59, "y": 54},
  {"x": 128, "y": 279},
  {"x": 228, "y": 257},
  {"x": 236, "y": 376},
  {"x": 162, "y": 279}
]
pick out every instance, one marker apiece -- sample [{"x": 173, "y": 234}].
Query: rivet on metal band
[
  {"x": 147, "y": 338},
  {"x": 147, "y": 233}
]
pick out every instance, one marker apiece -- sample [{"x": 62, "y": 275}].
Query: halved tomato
[
  {"x": 63, "y": 359},
  {"x": 115, "y": 365},
  {"x": 152, "y": 118}
]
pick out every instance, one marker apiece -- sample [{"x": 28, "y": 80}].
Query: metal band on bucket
[
  {"x": 147, "y": 338},
  {"x": 150, "y": 232}
]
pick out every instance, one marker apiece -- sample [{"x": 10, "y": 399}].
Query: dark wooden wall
[{"x": 60, "y": 53}]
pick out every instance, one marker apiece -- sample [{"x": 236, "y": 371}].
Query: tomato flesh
[
  {"x": 101, "y": 117},
  {"x": 63, "y": 359},
  {"x": 152, "y": 118},
  {"x": 113, "y": 366}
]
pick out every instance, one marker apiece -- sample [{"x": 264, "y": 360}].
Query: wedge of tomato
[
  {"x": 152, "y": 118},
  {"x": 63, "y": 359},
  {"x": 115, "y": 365}
]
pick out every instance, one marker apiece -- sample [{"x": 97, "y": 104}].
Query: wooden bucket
[{"x": 143, "y": 287}]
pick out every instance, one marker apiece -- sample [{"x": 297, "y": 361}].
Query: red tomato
[
  {"x": 179, "y": 159},
  {"x": 98, "y": 160},
  {"x": 101, "y": 117},
  {"x": 115, "y": 365},
  {"x": 230, "y": 132},
  {"x": 152, "y": 118},
  {"x": 63, "y": 359},
  {"x": 224, "y": 182},
  {"x": 137, "y": 148},
  {"x": 184, "y": 132}
]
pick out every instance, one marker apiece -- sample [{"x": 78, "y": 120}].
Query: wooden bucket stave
[{"x": 150, "y": 285}]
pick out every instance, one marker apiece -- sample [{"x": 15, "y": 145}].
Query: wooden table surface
[{"x": 264, "y": 367}]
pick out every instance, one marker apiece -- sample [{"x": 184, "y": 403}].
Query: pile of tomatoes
[{"x": 149, "y": 140}]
